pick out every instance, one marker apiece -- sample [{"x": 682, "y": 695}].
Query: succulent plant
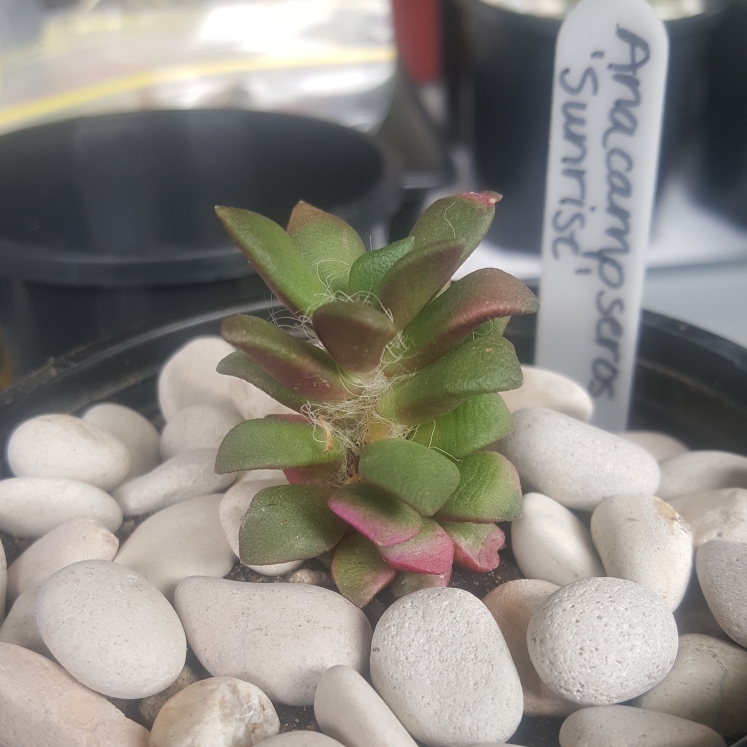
[{"x": 394, "y": 374}]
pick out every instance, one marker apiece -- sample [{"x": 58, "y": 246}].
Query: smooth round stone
[
  {"x": 3, "y": 581},
  {"x": 440, "y": 662},
  {"x": 111, "y": 629},
  {"x": 234, "y": 505},
  {"x": 189, "y": 377},
  {"x": 348, "y": 709},
  {"x": 643, "y": 539},
  {"x": 600, "y": 641},
  {"x": 660, "y": 445},
  {"x": 197, "y": 427},
  {"x": 151, "y": 706},
  {"x": 625, "y": 726},
  {"x": 77, "y": 539},
  {"x": 301, "y": 739},
  {"x": 550, "y": 543},
  {"x": 66, "y": 446},
  {"x": 714, "y": 514},
  {"x": 182, "y": 477},
  {"x": 41, "y": 704},
  {"x": 707, "y": 684},
  {"x": 137, "y": 433},
  {"x": 698, "y": 471},
  {"x": 543, "y": 388},
  {"x": 217, "y": 712},
  {"x": 185, "y": 539},
  {"x": 575, "y": 463},
  {"x": 280, "y": 637},
  {"x": 512, "y": 605},
  {"x": 20, "y": 628},
  {"x": 252, "y": 402},
  {"x": 33, "y": 506},
  {"x": 722, "y": 572}
]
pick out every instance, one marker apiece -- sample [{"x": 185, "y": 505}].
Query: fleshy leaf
[
  {"x": 413, "y": 280},
  {"x": 475, "y": 545},
  {"x": 405, "y": 582},
  {"x": 375, "y": 514},
  {"x": 430, "y": 551},
  {"x": 354, "y": 334},
  {"x": 489, "y": 490},
  {"x": 368, "y": 271},
  {"x": 275, "y": 257},
  {"x": 418, "y": 476},
  {"x": 239, "y": 364},
  {"x": 296, "y": 364},
  {"x": 448, "y": 319},
  {"x": 479, "y": 366},
  {"x": 465, "y": 216},
  {"x": 269, "y": 443},
  {"x": 288, "y": 522},
  {"x": 476, "y": 423},
  {"x": 359, "y": 571},
  {"x": 328, "y": 244}
]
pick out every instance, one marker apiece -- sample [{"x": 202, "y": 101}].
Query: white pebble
[
  {"x": 301, "y": 739},
  {"x": 643, "y": 539},
  {"x": 440, "y": 662},
  {"x": 41, "y": 704},
  {"x": 543, "y": 388},
  {"x": 151, "y": 706},
  {"x": 697, "y": 471},
  {"x": 77, "y": 539},
  {"x": 185, "y": 476},
  {"x": 714, "y": 514},
  {"x": 3, "y": 581},
  {"x": 625, "y": 726},
  {"x": 707, "y": 684},
  {"x": 33, "y": 506},
  {"x": 722, "y": 572},
  {"x": 217, "y": 712},
  {"x": 69, "y": 447},
  {"x": 234, "y": 505},
  {"x": 20, "y": 628},
  {"x": 512, "y": 605},
  {"x": 252, "y": 402},
  {"x": 550, "y": 543},
  {"x": 280, "y": 637},
  {"x": 197, "y": 427},
  {"x": 137, "y": 433},
  {"x": 111, "y": 629},
  {"x": 185, "y": 539},
  {"x": 189, "y": 377},
  {"x": 574, "y": 463},
  {"x": 600, "y": 641},
  {"x": 660, "y": 445},
  {"x": 348, "y": 709}
]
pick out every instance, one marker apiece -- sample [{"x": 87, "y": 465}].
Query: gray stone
[
  {"x": 3, "y": 581},
  {"x": 197, "y": 427},
  {"x": 714, "y": 514},
  {"x": 20, "y": 628},
  {"x": 660, "y": 445},
  {"x": 698, "y": 471}
]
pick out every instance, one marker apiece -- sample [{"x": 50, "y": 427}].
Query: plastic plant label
[{"x": 608, "y": 99}]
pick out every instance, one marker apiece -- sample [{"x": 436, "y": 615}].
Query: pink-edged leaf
[
  {"x": 312, "y": 476},
  {"x": 367, "y": 271},
  {"x": 359, "y": 571},
  {"x": 354, "y": 334},
  {"x": 296, "y": 364},
  {"x": 375, "y": 513},
  {"x": 430, "y": 551},
  {"x": 405, "y": 583},
  {"x": 475, "y": 545}
]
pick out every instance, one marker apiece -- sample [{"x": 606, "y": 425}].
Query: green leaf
[
  {"x": 368, "y": 271},
  {"x": 485, "y": 364},
  {"x": 475, "y": 424},
  {"x": 269, "y": 443},
  {"x": 489, "y": 490},
  {"x": 418, "y": 476},
  {"x": 450, "y": 317},
  {"x": 288, "y": 522},
  {"x": 406, "y": 582},
  {"x": 275, "y": 257},
  {"x": 296, "y": 364},
  {"x": 465, "y": 216},
  {"x": 328, "y": 244},
  {"x": 359, "y": 571},
  {"x": 416, "y": 278},
  {"x": 430, "y": 551},
  {"x": 476, "y": 545},
  {"x": 376, "y": 514},
  {"x": 354, "y": 334}
]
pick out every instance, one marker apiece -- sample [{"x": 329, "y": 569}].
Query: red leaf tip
[{"x": 487, "y": 199}]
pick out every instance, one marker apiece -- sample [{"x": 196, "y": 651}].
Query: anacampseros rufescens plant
[{"x": 395, "y": 374}]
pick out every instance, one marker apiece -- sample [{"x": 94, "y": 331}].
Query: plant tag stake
[{"x": 608, "y": 99}]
